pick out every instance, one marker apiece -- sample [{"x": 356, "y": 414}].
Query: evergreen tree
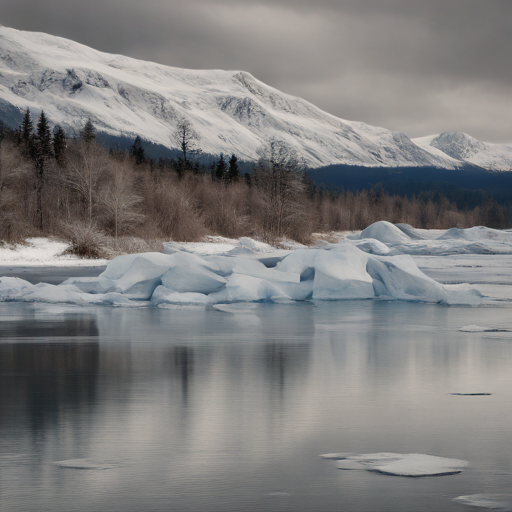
[
  {"x": 42, "y": 153},
  {"x": 137, "y": 151},
  {"x": 2, "y": 131},
  {"x": 221, "y": 169},
  {"x": 234, "y": 171},
  {"x": 43, "y": 142},
  {"x": 59, "y": 145},
  {"x": 88, "y": 133},
  {"x": 27, "y": 135},
  {"x": 27, "y": 127}
]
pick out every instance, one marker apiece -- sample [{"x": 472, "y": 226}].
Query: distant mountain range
[{"x": 231, "y": 110}]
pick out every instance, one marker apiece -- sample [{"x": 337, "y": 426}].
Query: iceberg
[
  {"x": 340, "y": 271},
  {"x": 414, "y": 465}
]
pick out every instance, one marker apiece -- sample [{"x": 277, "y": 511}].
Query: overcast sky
[{"x": 416, "y": 66}]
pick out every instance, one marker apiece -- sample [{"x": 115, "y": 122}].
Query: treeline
[{"x": 78, "y": 190}]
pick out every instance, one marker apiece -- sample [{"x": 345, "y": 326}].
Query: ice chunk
[
  {"x": 385, "y": 232},
  {"x": 13, "y": 288},
  {"x": 340, "y": 273},
  {"x": 242, "y": 288},
  {"x": 498, "y": 502},
  {"x": 44, "y": 292},
  {"x": 397, "y": 464},
  {"x": 113, "y": 299},
  {"x": 91, "y": 284},
  {"x": 372, "y": 246},
  {"x": 164, "y": 295},
  {"x": 192, "y": 278},
  {"x": 83, "y": 464}
]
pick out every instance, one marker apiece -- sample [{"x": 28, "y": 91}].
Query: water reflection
[{"x": 198, "y": 410}]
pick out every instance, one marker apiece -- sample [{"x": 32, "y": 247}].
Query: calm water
[{"x": 206, "y": 410}]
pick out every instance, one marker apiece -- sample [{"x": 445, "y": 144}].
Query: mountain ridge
[{"x": 232, "y": 111}]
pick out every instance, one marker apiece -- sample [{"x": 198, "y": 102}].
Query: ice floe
[
  {"x": 499, "y": 502},
  {"x": 339, "y": 271},
  {"x": 404, "y": 239},
  {"x": 397, "y": 464}
]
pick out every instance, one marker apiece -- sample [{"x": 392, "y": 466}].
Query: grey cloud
[{"x": 416, "y": 66}]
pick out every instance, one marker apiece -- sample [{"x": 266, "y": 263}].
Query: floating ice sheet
[{"x": 397, "y": 464}]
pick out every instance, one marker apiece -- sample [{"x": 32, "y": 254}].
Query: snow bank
[
  {"x": 404, "y": 239},
  {"x": 397, "y": 464},
  {"x": 42, "y": 252},
  {"x": 333, "y": 272},
  {"x": 385, "y": 232}
]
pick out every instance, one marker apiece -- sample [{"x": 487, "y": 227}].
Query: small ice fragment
[
  {"x": 337, "y": 456},
  {"x": 479, "y": 328},
  {"x": 471, "y": 394},
  {"x": 82, "y": 464}
]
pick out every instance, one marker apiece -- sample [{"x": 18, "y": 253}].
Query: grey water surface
[{"x": 193, "y": 409}]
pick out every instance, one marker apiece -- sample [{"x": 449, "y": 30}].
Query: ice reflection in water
[{"x": 191, "y": 409}]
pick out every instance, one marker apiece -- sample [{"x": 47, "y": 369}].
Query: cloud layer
[{"x": 415, "y": 66}]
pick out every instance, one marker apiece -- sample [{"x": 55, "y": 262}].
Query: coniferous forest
[{"x": 110, "y": 201}]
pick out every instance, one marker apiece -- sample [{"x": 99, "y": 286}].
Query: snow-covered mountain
[
  {"x": 231, "y": 110},
  {"x": 464, "y": 148}
]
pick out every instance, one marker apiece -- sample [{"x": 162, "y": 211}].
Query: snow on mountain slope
[
  {"x": 231, "y": 110},
  {"x": 464, "y": 148}
]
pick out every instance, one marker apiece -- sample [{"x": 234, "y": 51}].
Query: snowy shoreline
[{"x": 378, "y": 263}]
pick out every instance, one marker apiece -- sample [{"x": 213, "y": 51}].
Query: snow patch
[{"x": 42, "y": 252}]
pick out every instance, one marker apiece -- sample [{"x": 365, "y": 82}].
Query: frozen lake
[{"x": 228, "y": 410}]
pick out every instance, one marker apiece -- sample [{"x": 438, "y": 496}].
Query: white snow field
[
  {"x": 339, "y": 271},
  {"x": 397, "y": 464},
  {"x": 39, "y": 252}
]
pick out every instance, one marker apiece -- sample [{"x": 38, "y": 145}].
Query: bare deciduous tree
[
  {"x": 118, "y": 198},
  {"x": 187, "y": 140},
  {"x": 13, "y": 170},
  {"x": 279, "y": 174},
  {"x": 86, "y": 167}
]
